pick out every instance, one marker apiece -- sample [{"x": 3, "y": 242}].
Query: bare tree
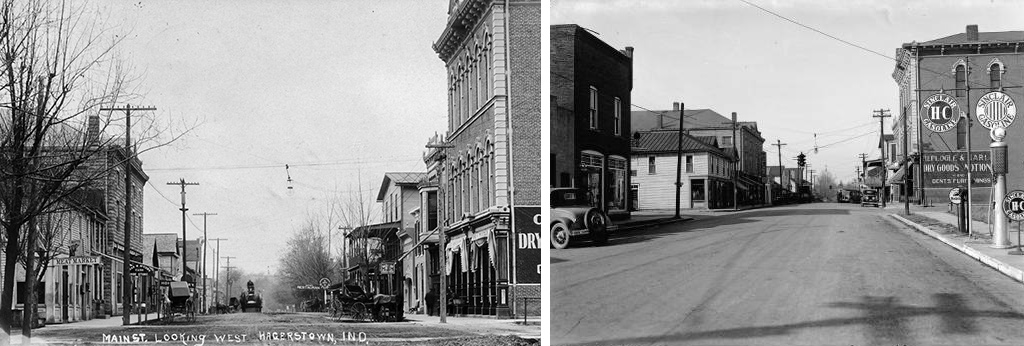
[
  {"x": 57, "y": 69},
  {"x": 358, "y": 208},
  {"x": 306, "y": 259}
]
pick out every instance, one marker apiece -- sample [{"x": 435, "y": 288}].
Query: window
[
  {"x": 651, "y": 170},
  {"x": 618, "y": 117},
  {"x": 697, "y": 190},
  {"x": 593, "y": 108},
  {"x": 632, "y": 172},
  {"x": 995, "y": 75},
  {"x": 689, "y": 163},
  {"x": 892, "y": 152},
  {"x": 961, "y": 80},
  {"x": 616, "y": 183},
  {"x": 727, "y": 142},
  {"x": 961, "y": 134}
]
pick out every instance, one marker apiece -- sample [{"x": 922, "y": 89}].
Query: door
[
  {"x": 65, "y": 296},
  {"x": 634, "y": 197}
]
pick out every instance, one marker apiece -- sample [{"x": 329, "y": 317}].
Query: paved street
[{"x": 807, "y": 274}]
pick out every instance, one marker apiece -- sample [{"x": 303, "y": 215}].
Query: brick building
[
  {"x": 706, "y": 172},
  {"x": 489, "y": 178},
  {"x": 751, "y": 172},
  {"x": 591, "y": 83},
  {"x": 971, "y": 73}
]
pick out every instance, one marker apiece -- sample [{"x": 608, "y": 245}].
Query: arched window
[
  {"x": 961, "y": 80},
  {"x": 995, "y": 75}
]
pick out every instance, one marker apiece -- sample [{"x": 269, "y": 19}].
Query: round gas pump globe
[{"x": 997, "y": 134}]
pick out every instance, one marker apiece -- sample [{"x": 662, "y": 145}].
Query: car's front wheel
[{"x": 559, "y": 236}]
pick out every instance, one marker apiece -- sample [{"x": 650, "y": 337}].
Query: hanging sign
[
  {"x": 1013, "y": 205},
  {"x": 954, "y": 195},
  {"x": 941, "y": 112},
  {"x": 996, "y": 109}
]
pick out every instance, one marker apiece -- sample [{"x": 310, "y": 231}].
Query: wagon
[
  {"x": 351, "y": 302},
  {"x": 179, "y": 301}
]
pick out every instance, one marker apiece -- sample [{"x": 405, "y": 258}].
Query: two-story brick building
[
  {"x": 488, "y": 179},
  {"x": 969, "y": 73},
  {"x": 591, "y": 83}
]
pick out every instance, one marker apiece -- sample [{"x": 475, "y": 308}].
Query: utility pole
[
  {"x": 216, "y": 273},
  {"x": 129, "y": 156},
  {"x": 881, "y": 114},
  {"x": 443, "y": 311},
  {"x": 736, "y": 164},
  {"x": 858, "y": 172},
  {"x": 864, "y": 166},
  {"x": 779, "y": 144},
  {"x": 905, "y": 165},
  {"x": 203, "y": 304},
  {"x": 184, "y": 239},
  {"x": 679, "y": 160},
  {"x": 967, "y": 115},
  {"x": 227, "y": 283}
]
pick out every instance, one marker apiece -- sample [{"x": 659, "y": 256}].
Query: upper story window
[
  {"x": 961, "y": 80},
  {"x": 618, "y": 117},
  {"x": 651, "y": 167},
  {"x": 689, "y": 163},
  {"x": 593, "y": 108},
  {"x": 995, "y": 75},
  {"x": 961, "y": 134},
  {"x": 727, "y": 142}
]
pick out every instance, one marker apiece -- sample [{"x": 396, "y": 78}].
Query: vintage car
[
  {"x": 869, "y": 197},
  {"x": 572, "y": 218}
]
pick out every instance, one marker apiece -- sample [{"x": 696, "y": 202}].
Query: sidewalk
[
  {"x": 112, "y": 321},
  {"x": 639, "y": 219},
  {"x": 979, "y": 247}
]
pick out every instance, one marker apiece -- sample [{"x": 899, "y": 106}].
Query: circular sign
[
  {"x": 324, "y": 282},
  {"x": 954, "y": 195},
  {"x": 941, "y": 113},
  {"x": 996, "y": 109},
  {"x": 1013, "y": 205}
]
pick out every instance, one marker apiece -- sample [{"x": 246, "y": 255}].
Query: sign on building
[
  {"x": 527, "y": 228},
  {"x": 941, "y": 112},
  {"x": 949, "y": 168},
  {"x": 996, "y": 109}
]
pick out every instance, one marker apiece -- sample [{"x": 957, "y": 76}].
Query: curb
[
  {"x": 657, "y": 222},
  {"x": 1012, "y": 272}
]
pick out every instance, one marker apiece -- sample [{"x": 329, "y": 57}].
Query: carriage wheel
[{"x": 359, "y": 311}]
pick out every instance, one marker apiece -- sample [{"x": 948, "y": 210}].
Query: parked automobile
[
  {"x": 869, "y": 197},
  {"x": 572, "y": 218}
]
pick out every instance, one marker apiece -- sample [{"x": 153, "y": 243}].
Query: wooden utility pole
[
  {"x": 203, "y": 304},
  {"x": 129, "y": 156},
  {"x": 227, "y": 284},
  {"x": 216, "y": 272},
  {"x": 881, "y": 114},
  {"x": 443, "y": 305},
  {"x": 679, "y": 160},
  {"x": 735, "y": 165},
  {"x": 779, "y": 144},
  {"x": 905, "y": 165},
  {"x": 184, "y": 239}
]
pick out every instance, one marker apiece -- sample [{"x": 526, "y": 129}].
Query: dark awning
[{"x": 379, "y": 230}]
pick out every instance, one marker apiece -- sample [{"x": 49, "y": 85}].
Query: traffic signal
[{"x": 801, "y": 160}]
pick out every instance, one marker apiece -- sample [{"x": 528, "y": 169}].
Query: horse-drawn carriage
[
  {"x": 179, "y": 301},
  {"x": 351, "y": 302}
]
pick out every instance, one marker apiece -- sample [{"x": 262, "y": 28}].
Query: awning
[
  {"x": 897, "y": 178},
  {"x": 457, "y": 244},
  {"x": 873, "y": 178},
  {"x": 481, "y": 238}
]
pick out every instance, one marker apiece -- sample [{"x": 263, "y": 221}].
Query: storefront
[
  {"x": 606, "y": 179},
  {"x": 477, "y": 265},
  {"x": 70, "y": 288}
]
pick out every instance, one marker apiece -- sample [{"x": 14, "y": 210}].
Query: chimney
[
  {"x": 972, "y": 32},
  {"x": 628, "y": 52},
  {"x": 675, "y": 106},
  {"x": 93, "y": 129}
]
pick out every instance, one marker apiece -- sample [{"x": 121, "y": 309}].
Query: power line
[{"x": 305, "y": 164}]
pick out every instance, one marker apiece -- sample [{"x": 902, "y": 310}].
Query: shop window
[{"x": 697, "y": 190}]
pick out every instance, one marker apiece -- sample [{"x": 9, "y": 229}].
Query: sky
[
  {"x": 730, "y": 56},
  {"x": 341, "y": 91}
]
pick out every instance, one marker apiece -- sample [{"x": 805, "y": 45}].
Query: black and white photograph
[
  {"x": 295, "y": 172},
  {"x": 792, "y": 172}
]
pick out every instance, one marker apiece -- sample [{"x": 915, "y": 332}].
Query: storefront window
[
  {"x": 592, "y": 164},
  {"x": 697, "y": 190},
  {"x": 616, "y": 183}
]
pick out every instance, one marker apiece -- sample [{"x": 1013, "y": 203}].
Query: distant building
[
  {"x": 488, "y": 180},
  {"x": 969, "y": 72},
  {"x": 400, "y": 201},
  {"x": 591, "y": 83},
  {"x": 705, "y": 174},
  {"x": 751, "y": 173}
]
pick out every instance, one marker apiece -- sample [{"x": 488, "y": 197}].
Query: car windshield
[
  {"x": 562, "y": 198},
  {"x": 869, "y": 192}
]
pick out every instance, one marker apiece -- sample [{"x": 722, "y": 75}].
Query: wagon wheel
[{"x": 359, "y": 311}]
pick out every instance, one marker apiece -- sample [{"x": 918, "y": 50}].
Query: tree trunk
[
  {"x": 7, "y": 295},
  {"x": 29, "y": 313}
]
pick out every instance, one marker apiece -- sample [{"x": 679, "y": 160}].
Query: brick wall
[
  {"x": 524, "y": 50},
  {"x": 518, "y": 293}
]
